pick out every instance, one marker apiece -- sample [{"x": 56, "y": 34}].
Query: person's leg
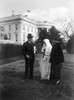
[
  {"x": 31, "y": 69},
  {"x": 59, "y": 71},
  {"x": 56, "y": 71},
  {"x": 49, "y": 70},
  {"x": 52, "y": 74},
  {"x": 26, "y": 68}
]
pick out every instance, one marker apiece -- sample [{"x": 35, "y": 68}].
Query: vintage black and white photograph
[{"x": 36, "y": 49}]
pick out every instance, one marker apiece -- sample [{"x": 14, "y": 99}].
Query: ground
[{"x": 14, "y": 87}]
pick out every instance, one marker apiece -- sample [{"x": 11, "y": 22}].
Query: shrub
[
  {"x": 10, "y": 50},
  {"x": 70, "y": 45}
]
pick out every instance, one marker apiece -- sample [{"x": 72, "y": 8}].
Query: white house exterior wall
[{"x": 25, "y": 26}]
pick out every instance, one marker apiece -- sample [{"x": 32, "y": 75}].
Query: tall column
[{"x": 20, "y": 34}]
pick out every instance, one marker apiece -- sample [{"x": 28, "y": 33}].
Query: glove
[{"x": 27, "y": 56}]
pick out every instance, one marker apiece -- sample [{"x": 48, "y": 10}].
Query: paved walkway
[{"x": 11, "y": 63}]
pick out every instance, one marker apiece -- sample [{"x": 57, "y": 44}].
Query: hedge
[{"x": 10, "y": 50}]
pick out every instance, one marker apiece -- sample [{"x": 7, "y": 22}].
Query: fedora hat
[{"x": 30, "y": 36}]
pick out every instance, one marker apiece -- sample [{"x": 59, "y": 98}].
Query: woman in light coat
[{"x": 44, "y": 60}]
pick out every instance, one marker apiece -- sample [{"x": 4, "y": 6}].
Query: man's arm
[{"x": 24, "y": 51}]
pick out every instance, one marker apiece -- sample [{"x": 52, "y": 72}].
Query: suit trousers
[{"x": 29, "y": 65}]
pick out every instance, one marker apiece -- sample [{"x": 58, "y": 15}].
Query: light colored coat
[{"x": 45, "y": 67}]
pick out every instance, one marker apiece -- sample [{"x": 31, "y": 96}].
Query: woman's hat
[{"x": 30, "y": 36}]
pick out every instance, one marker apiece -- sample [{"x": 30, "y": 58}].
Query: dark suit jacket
[{"x": 28, "y": 49}]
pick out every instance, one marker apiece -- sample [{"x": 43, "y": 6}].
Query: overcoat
[{"x": 56, "y": 54}]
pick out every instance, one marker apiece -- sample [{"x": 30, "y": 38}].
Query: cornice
[
  {"x": 19, "y": 18},
  {"x": 16, "y": 18}
]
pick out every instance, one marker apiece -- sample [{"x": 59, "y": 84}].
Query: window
[
  {"x": 16, "y": 37},
  {"x": 2, "y": 29},
  {"x": 16, "y": 26},
  {"x": 2, "y": 32},
  {"x": 1, "y": 36},
  {"x": 23, "y": 37},
  {"x": 9, "y": 27},
  {"x": 9, "y": 35}
]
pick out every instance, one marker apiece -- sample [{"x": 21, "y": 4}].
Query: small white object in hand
[
  {"x": 35, "y": 49},
  {"x": 58, "y": 82}
]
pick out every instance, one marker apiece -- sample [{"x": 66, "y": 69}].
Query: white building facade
[{"x": 17, "y": 27}]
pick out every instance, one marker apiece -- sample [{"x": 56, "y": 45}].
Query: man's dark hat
[{"x": 30, "y": 36}]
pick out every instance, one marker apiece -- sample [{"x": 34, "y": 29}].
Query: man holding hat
[{"x": 28, "y": 52}]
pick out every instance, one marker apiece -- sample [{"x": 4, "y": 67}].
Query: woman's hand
[
  {"x": 27, "y": 56},
  {"x": 45, "y": 58}
]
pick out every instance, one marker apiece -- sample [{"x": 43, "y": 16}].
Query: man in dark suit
[{"x": 28, "y": 52}]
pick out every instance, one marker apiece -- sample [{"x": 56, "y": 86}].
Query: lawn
[{"x": 14, "y": 87}]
